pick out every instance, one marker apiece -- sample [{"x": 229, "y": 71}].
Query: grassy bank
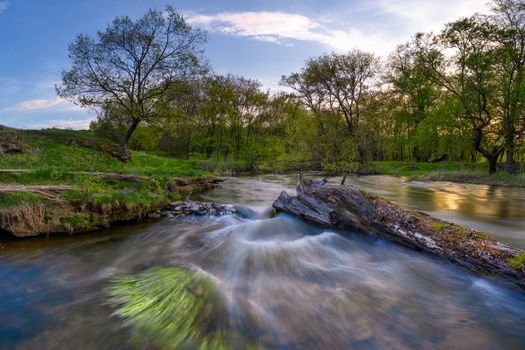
[
  {"x": 476, "y": 173},
  {"x": 82, "y": 186}
]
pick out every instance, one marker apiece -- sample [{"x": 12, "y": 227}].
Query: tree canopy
[{"x": 133, "y": 64}]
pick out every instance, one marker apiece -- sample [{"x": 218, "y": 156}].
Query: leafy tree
[
  {"x": 467, "y": 73},
  {"x": 338, "y": 82},
  {"x": 132, "y": 65},
  {"x": 414, "y": 93},
  {"x": 509, "y": 20},
  {"x": 337, "y": 86}
]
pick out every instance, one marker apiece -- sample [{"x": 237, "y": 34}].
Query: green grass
[
  {"x": 51, "y": 150},
  {"x": 12, "y": 199},
  {"x": 449, "y": 171},
  {"x": 415, "y": 169},
  {"x": 52, "y": 159}
]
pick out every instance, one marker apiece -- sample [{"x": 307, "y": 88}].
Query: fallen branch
[
  {"x": 34, "y": 188},
  {"x": 348, "y": 207}
]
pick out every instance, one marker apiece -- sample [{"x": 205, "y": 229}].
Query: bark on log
[{"x": 348, "y": 207}]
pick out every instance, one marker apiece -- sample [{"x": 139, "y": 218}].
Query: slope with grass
[
  {"x": 475, "y": 173},
  {"x": 69, "y": 181}
]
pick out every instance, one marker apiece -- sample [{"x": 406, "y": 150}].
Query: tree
[
  {"x": 509, "y": 19},
  {"x": 132, "y": 65},
  {"x": 338, "y": 82},
  {"x": 414, "y": 94},
  {"x": 467, "y": 72},
  {"x": 338, "y": 86}
]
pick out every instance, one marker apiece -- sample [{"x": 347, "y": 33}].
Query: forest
[{"x": 454, "y": 95}]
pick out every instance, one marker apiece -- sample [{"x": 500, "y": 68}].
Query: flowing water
[{"x": 283, "y": 283}]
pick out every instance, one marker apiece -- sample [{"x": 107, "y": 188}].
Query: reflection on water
[
  {"x": 496, "y": 210},
  {"x": 278, "y": 282}
]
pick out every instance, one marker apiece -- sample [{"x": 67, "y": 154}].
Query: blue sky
[{"x": 257, "y": 39}]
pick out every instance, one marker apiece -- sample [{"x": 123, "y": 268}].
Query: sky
[{"x": 258, "y": 39}]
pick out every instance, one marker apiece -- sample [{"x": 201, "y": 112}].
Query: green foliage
[
  {"x": 171, "y": 308},
  {"x": 517, "y": 261},
  {"x": 13, "y": 199}
]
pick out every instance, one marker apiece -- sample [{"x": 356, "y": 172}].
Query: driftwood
[{"x": 348, "y": 207}]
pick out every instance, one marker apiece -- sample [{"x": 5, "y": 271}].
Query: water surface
[{"x": 286, "y": 284}]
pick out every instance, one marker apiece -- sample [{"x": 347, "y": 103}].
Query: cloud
[
  {"x": 372, "y": 26},
  {"x": 63, "y": 124},
  {"x": 58, "y": 104},
  {"x": 37, "y": 104},
  {"x": 281, "y": 27},
  {"x": 3, "y": 6},
  {"x": 264, "y": 26},
  {"x": 430, "y": 15}
]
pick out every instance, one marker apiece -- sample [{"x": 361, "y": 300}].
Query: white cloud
[
  {"x": 63, "y": 124},
  {"x": 37, "y": 104},
  {"x": 3, "y": 6},
  {"x": 430, "y": 15},
  {"x": 58, "y": 104},
  {"x": 280, "y": 27},
  {"x": 265, "y": 26},
  {"x": 375, "y": 26}
]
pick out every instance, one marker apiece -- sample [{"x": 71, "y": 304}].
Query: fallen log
[{"x": 346, "y": 207}]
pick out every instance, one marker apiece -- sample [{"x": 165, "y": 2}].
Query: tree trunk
[
  {"x": 510, "y": 157},
  {"x": 492, "y": 157},
  {"x": 493, "y": 165},
  {"x": 126, "y": 155},
  {"x": 510, "y": 164},
  {"x": 346, "y": 207}
]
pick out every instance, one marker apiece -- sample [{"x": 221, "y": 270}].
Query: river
[{"x": 283, "y": 283}]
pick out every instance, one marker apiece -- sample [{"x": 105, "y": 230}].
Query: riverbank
[
  {"x": 58, "y": 181},
  {"x": 476, "y": 173}
]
